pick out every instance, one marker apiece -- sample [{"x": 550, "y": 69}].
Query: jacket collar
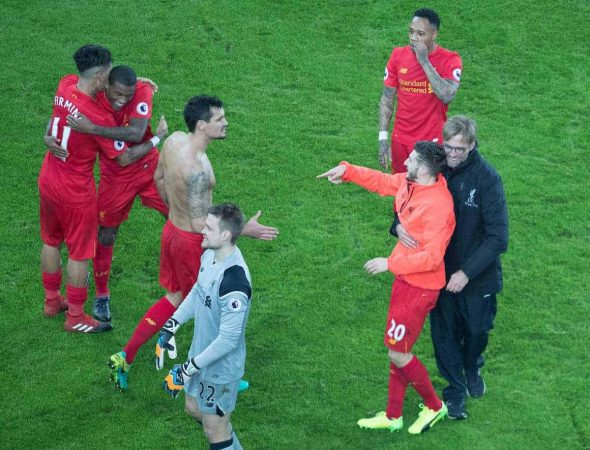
[{"x": 472, "y": 158}]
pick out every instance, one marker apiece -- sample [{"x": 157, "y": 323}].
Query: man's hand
[
  {"x": 153, "y": 85},
  {"x": 256, "y": 230},
  {"x": 405, "y": 237},
  {"x": 162, "y": 130},
  {"x": 81, "y": 124},
  {"x": 166, "y": 341},
  {"x": 376, "y": 265},
  {"x": 421, "y": 52},
  {"x": 174, "y": 381},
  {"x": 457, "y": 282},
  {"x": 52, "y": 144},
  {"x": 334, "y": 175},
  {"x": 384, "y": 154}
]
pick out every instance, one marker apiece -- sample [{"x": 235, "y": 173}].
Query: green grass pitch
[{"x": 301, "y": 81}]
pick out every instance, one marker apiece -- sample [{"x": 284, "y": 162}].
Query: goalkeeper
[{"x": 219, "y": 303}]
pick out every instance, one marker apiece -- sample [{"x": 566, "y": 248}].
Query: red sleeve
[
  {"x": 390, "y": 77},
  {"x": 140, "y": 106},
  {"x": 373, "y": 180},
  {"x": 111, "y": 149},
  {"x": 452, "y": 68}
]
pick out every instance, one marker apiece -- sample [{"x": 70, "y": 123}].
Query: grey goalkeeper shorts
[{"x": 212, "y": 398}]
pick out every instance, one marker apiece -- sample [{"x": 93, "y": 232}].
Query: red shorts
[
  {"x": 116, "y": 199},
  {"x": 408, "y": 308},
  {"x": 74, "y": 226},
  {"x": 180, "y": 259},
  {"x": 399, "y": 154}
]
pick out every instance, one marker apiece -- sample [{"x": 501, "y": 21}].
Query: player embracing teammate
[{"x": 67, "y": 192}]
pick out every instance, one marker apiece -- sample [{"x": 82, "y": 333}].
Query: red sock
[
  {"x": 150, "y": 324},
  {"x": 51, "y": 283},
  {"x": 397, "y": 391},
  {"x": 417, "y": 376},
  {"x": 76, "y": 298},
  {"x": 102, "y": 269}
]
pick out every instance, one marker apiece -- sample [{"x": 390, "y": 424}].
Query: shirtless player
[{"x": 185, "y": 179}]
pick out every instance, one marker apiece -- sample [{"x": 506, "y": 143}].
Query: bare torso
[{"x": 186, "y": 177}]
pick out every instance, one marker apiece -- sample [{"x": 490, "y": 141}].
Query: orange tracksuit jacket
[{"x": 426, "y": 212}]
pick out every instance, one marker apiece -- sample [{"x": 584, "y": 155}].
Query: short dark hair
[
  {"x": 230, "y": 218},
  {"x": 124, "y": 75},
  {"x": 199, "y": 108},
  {"x": 430, "y": 15},
  {"x": 91, "y": 56},
  {"x": 432, "y": 155},
  {"x": 460, "y": 125}
]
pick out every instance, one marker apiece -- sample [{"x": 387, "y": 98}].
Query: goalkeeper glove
[
  {"x": 174, "y": 381},
  {"x": 166, "y": 341}
]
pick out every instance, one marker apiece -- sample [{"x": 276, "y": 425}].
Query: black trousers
[{"x": 460, "y": 326}]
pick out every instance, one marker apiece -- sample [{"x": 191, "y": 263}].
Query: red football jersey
[
  {"x": 140, "y": 106},
  {"x": 71, "y": 181},
  {"x": 420, "y": 114}
]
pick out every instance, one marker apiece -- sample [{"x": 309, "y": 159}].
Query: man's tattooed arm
[
  {"x": 444, "y": 89},
  {"x": 198, "y": 192},
  {"x": 385, "y": 113},
  {"x": 386, "y": 108}
]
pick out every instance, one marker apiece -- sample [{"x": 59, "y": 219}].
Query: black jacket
[{"x": 481, "y": 233}]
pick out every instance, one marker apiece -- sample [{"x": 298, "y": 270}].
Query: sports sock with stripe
[
  {"x": 76, "y": 298},
  {"x": 51, "y": 284},
  {"x": 149, "y": 325},
  {"x": 102, "y": 269},
  {"x": 396, "y": 392},
  {"x": 417, "y": 376}
]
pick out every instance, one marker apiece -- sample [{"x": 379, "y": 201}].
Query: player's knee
[
  {"x": 399, "y": 359},
  {"x": 191, "y": 412},
  {"x": 107, "y": 236},
  {"x": 191, "y": 409},
  {"x": 214, "y": 432},
  {"x": 175, "y": 298}
]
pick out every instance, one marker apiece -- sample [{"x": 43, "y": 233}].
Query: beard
[{"x": 412, "y": 175}]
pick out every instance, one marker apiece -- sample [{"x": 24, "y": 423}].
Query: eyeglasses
[{"x": 457, "y": 150}]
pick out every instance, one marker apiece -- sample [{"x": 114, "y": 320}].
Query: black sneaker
[
  {"x": 476, "y": 386},
  {"x": 456, "y": 409},
  {"x": 101, "y": 309}
]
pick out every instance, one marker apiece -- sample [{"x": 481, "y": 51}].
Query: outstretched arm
[
  {"x": 334, "y": 175},
  {"x": 256, "y": 230},
  {"x": 371, "y": 180}
]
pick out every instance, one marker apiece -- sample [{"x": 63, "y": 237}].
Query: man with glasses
[
  {"x": 425, "y": 207},
  {"x": 465, "y": 311}
]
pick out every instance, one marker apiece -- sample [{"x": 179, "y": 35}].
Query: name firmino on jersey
[{"x": 62, "y": 102}]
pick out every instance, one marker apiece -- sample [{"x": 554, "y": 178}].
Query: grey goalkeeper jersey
[{"x": 219, "y": 303}]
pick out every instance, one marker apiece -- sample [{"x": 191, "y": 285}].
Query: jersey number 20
[{"x": 396, "y": 331}]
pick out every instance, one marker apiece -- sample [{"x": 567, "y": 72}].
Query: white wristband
[
  {"x": 155, "y": 140},
  {"x": 383, "y": 135}
]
